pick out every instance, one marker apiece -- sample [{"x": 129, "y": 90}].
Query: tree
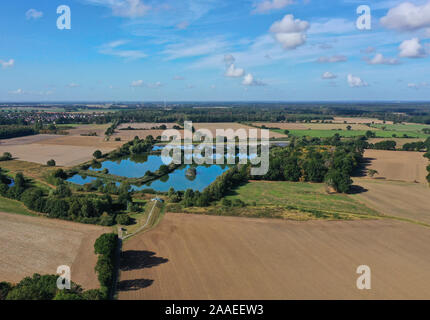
[
  {"x": 349, "y": 128},
  {"x": 6, "y": 156},
  {"x": 123, "y": 219},
  {"x": 5, "y": 288},
  {"x": 97, "y": 154},
  {"x": 106, "y": 244},
  {"x": 338, "y": 180},
  {"x": 372, "y": 173},
  {"x": 51, "y": 163}
]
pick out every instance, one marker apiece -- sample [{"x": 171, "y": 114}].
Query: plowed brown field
[
  {"x": 31, "y": 245},
  {"x": 207, "y": 257},
  {"x": 398, "y": 165}
]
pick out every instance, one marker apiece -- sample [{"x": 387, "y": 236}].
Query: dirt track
[
  {"x": 39, "y": 245},
  {"x": 207, "y": 257}
]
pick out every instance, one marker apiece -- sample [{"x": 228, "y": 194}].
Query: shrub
[
  {"x": 123, "y": 219},
  {"x": 97, "y": 154},
  {"x": 51, "y": 163}
]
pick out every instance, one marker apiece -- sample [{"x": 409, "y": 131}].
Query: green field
[
  {"x": 12, "y": 206},
  {"x": 301, "y": 196},
  {"x": 353, "y": 133},
  {"x": 402, "y": 127}
]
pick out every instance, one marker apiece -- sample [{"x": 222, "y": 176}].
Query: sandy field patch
[
  {"x": 281, "y": 125},
  {"x": 359, "y": 120},
  {"x": 100, "y": 129},
  {"x": 130, "y": 134},
  {"x": 68, "y": 150},
  {"x": 39, "y": 245},
  {"x": 400, "y": 141},
  {"x": 336, "y": 126},
  {"x": 145, "y": 125},
  {"x": 207, "y": 257},
  {"x": 398, "y": 165},
  {"x": 395, "y": 198}
]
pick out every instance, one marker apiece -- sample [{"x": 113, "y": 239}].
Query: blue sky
[{"x": 281, "y": 50}]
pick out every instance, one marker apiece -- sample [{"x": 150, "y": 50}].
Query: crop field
[
  {"x": 303, "y": 196},
  {"x": 398, "y": 165},
  {"x": 66, "y": 150},
  {"x": 354, "y": 133},
  {"x": 126, "y": 135},
  {"x": 39, "y": 245},
  {"x": 400, "y": 142},
  {"x": 395, "y": 198},
  {"x": 350, "y": 120},
  {"x": 206, "y": 257}
]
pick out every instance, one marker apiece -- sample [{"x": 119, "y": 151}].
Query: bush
[
  {"x": 6, "y": 156},
  {"x": 338, "y": 180},
  {"x": 97, "y": 154},
  {"x": 5, "y": 288},
  {"x": 123, "y": 219},
  {"x": 106, "y": 244},
  {"x": 51, "y": 163}
]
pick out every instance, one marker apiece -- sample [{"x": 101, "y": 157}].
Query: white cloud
[
  {"x": 269, "y": 5},
  {"x": 112, "y": 49},
  {"x": 412, "y": 49},
  {"x": 407, "y": 17},
  {"x": 380, "y": 59},
  {"x": 229, "y": 59},
  {"x": 290, "y": 32},
  {"x": 18, "y": 92},
  {"x": 418, "y": 85},
  {"x": 328, "y": 75},
  {"x": 332, "y": 59},
  {"x": 192, "y": 49},
  {"x": 137, "y": 83},
  {"x": 124, "y": 8},
  {"x": 33, "y": 14},
  {"x": 7, "y": 64},
  {"x": 332, "y": 26},
  {"x": 155, "y": 85},
  {"x": 356, "y": 82},
  {"x": 182, "y": 25},
  {"x": 233, "y": 72},
  {"x": 249, "y": 80}
]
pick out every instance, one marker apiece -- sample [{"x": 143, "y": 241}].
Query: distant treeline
[{"x": 7, "y": 132}]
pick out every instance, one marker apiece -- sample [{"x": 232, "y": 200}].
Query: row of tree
[
  {"x": 44, "y": 287},
  {"x": 105, "y": 247},
  {"x": 229, "y": 180},
  {"x": 62, "y": 203}
]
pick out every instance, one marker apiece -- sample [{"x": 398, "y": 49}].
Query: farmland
[
  {"x": 38, "y": 245},
  {"x": 398, "y": 165},
  {"x": 300, "y": 197},
  {"x": 204, "y": 257},
  {"x": 68, "y": 150},
  {"x": 399, "y": 199}
]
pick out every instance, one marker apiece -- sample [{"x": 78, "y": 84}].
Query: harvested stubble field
[
  {"x": 396, "y": 198},
  {"x": 66, "y": 150},
  {"x": 206, "y": 257},
  {"x": 39, "y": 245},
  {"x": 398, "y": 165},
  {"x": 126, "y": 135},
  {"x": 399, "y": 141},
  {"x": 359, "y": 120}
]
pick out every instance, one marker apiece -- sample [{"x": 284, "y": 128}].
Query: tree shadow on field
[
  {"x": 134, "y": 285},
  {"x": 361, "y": 171},
  {"x": 356, "y": 189},
  {"x": 133, "y": 260}
]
